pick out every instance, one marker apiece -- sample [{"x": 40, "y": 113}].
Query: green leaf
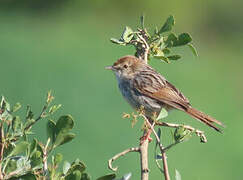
[
  {"x": 33, "y": 147},
  {"x": 107, "y": 177},
  {"x": 159, "y": 43},
  {"x": 23, "y": 166},
  {"x": 183, "y": 39},
  {"x": 171, "y": 39},
  {"x": 116, "y": 41},
  {"x": 193, "y": 49},
  {"x": 142, "y": 21},
  {"x": 182, "y": 134},
  {"x": 36, "y": 155},
  {"x": 20, "y": 148},
  {"x": 203, "y": 139},
  {"x": 166, "y": 51},
  {"x": 168, "y": 25},
  {"x": 158, "y": 157},
  {"x": 16, "y": 107},
  {"x": 8, "y": 150},
  {"x": 85, "y": 176},
  {"x": 4, "y": 104},
  {"x": 159, "y": 132},
  {"x": 40, "y": 147},
  {"x": 16, "y": 123},
  {"x": 156, "y": 31},
  {"x": 174, "y": 57},
  {"x": 11, "y": 166},
  {"x": 63, "y": 138},
  {"x": 36, "y": 159},
  {"x": 75, "y": 175},
  {"x": 23, "y": 163},
  {"x": 28, "y": 176},
  {"x": 29, "y": 113},
  {"x": 58, "y": 158},
  {"x": 51, "y": 130},
  {"x": 66, "y": 166},
  {"x": 77, "y": 166},
  {"x": 49, "y": 97},
  {"x": 177, "y": 175},
  {"x": 29, "y": 123},
  {"x": 54, "y": 108},
  {"x": 163, "y": 58},
  {"x": 9, "y": 117},
  {"x": 127, "y": 35},
  {"x": 157, "y": 52},
  {"x": 64, "y": 124},
  {"x": 127, "y": 176}
]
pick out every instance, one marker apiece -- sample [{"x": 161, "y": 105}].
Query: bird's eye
[{"x": 125, "y": 66}]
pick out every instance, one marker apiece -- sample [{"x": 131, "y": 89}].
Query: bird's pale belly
[{"x": 137, "y": 100}]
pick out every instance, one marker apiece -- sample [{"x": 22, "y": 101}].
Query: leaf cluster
[
  {"x": 24, "y": 156},
  {"x": 160, "y": 42}
]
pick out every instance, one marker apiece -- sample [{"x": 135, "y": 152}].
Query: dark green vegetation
[
  {"x": 157, "y": 45},
  {"x": 67, "y": 53},
  {"x": 23, "y": 157}
]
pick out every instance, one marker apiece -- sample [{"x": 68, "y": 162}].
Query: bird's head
[{"x": 126, "y": 67}]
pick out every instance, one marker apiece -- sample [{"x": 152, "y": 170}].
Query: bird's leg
[{"x": 146, "y": 135}]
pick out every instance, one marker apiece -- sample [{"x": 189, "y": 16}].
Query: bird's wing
[
  {"x": 170, "y": 97},
  {"x": 157, "y": 87}
]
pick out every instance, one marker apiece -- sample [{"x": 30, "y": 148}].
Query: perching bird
[{"x": 141, "y": 85}]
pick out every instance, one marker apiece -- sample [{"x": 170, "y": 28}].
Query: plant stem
[
  {"x": 165, "y": 166},
  {"x": 38, "y": 118},
  {"x": 163, "y": 154},
  {"x": 199, "y": 133},
  {"x": 143, "y": 55},
  {"x": 45, "y": 156},
  {"x": 144, "y": 159},
  {"x": 123, "y": 153},
  {"x": 143, "y": 51}
]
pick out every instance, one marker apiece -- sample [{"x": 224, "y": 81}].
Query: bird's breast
[{"x": 136, "y": 99}]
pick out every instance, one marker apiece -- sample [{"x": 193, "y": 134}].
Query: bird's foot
[{"x": 145, "y": 137}]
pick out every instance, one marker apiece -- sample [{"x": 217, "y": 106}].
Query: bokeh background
[{"x": 64, "y": 46}]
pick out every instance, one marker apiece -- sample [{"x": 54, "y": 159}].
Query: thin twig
[
  {"x": 142, "y": 51},
  {"x": 165, "y": 165},
  {"x": 42, "y": 114},
  {"x": 146, "y": 47},
  {"x": 13, "y": 173},
  {"x": 199, "y": 133},
  {"x": 163, "y": 154},
  {"x": 144, "y": 159},
  {"x": 123, "y": 153},
  {"x": 45, "y": 156}
]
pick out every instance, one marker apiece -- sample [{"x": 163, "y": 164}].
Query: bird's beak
[{"x": 109, "y": 67}]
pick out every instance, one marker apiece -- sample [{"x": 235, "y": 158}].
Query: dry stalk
[
  {"x": 123, "y": 153},
  {"x": 199, "y": 133},
  {"x": 163, "y": 154}
]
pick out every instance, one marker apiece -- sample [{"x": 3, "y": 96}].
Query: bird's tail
[{"x": 204, "y": 118}]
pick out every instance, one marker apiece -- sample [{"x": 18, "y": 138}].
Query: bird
[{"x": 143, "y": 86}]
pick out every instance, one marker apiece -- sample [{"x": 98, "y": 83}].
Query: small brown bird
[{"x": 141, "y": 85}]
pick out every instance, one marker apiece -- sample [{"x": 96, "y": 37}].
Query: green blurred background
[{"x": 64, "y": 46}]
